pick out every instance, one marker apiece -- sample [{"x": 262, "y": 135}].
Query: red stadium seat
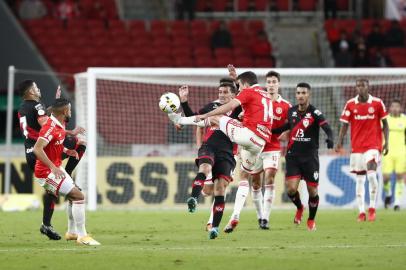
[
  {"x": 342, "y": 4},
  {"x": 261, "y": 5},
  {"x": 223, "y": 53},
  {"x": 184, "y": 62},
  {"x": 205, "y": 62},
  {"x": 219, "y": 5},
  {"x": 242, "y": 5},
  {"x": 282, "y": 5},
  {"x": 255, "y": 26},
  {"x": 307, "y": 5},
  {"x": 158, "y": 27},
  {"x": 244, "y": 61},
  {"x": 264, "y": 62}
]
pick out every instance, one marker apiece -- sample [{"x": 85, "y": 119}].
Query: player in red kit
[
  {"x": 365, "y": 113},
  {"x": 48, "y": 170}
]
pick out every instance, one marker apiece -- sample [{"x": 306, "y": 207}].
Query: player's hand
[
  {"x": 58, "y": 92},
  {"x": 385, "y": 149},
  {"x": 72, "y": 153},
  {"x": 338, "y": 147},
  {"x": 232, "y": 72},
  {"x": 59, "y": 174},
  {"x": 284, "y": 136},
  {"x": 330, "y": 144},
  {"x": 183, "y": 93},
  {"x": 178, "y": 127},
  {"x": 78, "y": 130}
]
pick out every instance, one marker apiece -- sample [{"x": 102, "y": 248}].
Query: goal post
[{"x": 132, "y": 146}]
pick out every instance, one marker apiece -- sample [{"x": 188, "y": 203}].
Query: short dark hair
[
  {"x": 24, "y": 86},
  {"x": 226, "y": 80},
  {"x": 362, "y": 80},
  {"x": 304, "y": 85},
  {"x": 273, "y": 74},
  {"x": 60, "y": 103},
  {"x": 396, "y": 100},
  {"x": 248, "y": 77},
  {"x": 233, "y": 87}
]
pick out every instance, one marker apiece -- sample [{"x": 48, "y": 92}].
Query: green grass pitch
[{"x": 177, "y": 240}]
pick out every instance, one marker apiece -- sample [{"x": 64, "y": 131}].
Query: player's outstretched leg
[
  {"x": 71, "y": 234},
  {"x": 46, "y": 227},
  {"x": 240, "y": 197}
]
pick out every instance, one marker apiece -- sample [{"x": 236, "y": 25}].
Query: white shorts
[
  {"x": 251, "y": 145},
  {"x": 57, "y": 186},
  {"x": 358, "y": 161}
]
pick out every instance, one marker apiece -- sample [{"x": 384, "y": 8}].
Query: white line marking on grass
[{"x": 150, "y": 248}]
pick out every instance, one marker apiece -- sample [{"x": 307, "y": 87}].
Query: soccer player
[
  {"x": 214, "y": 145},
  {"x": 365, "y": 113},
  {"x": 302, "y": 158},
  {"x": 268, "y": 161},
  {"x": 48, "y": 170},
  {"x": 395, "y": 161},
  {"x": 32, "y": 116}
]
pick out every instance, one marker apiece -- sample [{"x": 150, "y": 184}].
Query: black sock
[
  {"x": 49, "y": 203},
  {"x": 198, "y": 184},
  {"x": 313, "y": 204},
  {"x": 218, "y": 209},
  {"x": 295, "y": 198},
  {"x": 73, "y": 162}
]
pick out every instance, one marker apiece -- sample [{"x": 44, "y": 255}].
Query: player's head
[
  {"x": 28, "y": 89},
  {"x": 62, "y": 107},
  {"x": 227, "y": 91},
  {"x": 395, "y": 107},
  {"x": 273, "y": 79},
  {"x": 303, "y": 93},
  {"x": 362, "y": 86},
  {"x": 247, "y": 79}
]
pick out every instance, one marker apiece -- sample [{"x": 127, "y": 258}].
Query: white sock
[
  {"x": 210, "y": 221},
  {"x": 240, "y": 198},
  {"x": 78, "y": 213},
  {"x": 257, "y": 200},
  {"x": 71, "y": 221},
  {"x": 269, "y": 195},
  {"x": 373, "y": 188},
  {"x": 191, "y": 121},
  {"x": 360, "y": 192}
]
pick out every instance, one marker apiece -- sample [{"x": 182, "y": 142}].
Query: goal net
[{"x": 137, "y": 159}]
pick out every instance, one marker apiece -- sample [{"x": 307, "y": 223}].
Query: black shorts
[
  {"x": 305, "y": 167},
  {"x": 223, "y": 163}
]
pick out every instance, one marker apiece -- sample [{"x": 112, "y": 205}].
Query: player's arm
[
  {"x": 330, "y": 137},
  {"x": 42, "y": 156},
  {"x": 385, "y": 128},
  {"x": 341, "y": 135},
  {"x": 223, "y": 109},
  {"x": 183, "y": 96},
  {"x": 76, "y": 131}
]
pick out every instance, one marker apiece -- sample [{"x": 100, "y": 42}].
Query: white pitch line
[{"x": 150, "y": 248}]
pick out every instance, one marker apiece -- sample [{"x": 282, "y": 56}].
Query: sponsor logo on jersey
[
  {"x": 364, "y": 117},
  {"x": 308, "y": 115},
  {"x": 278, "y": 118},
  {"x": 371, "y": 110}
]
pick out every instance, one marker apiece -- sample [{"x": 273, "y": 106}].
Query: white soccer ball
[{"x": 169, "y": 103}]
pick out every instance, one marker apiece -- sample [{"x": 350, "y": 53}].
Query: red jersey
[
  {"x": 54, "y": 133},
  {"x": 257, "y": 107},
  {"x": 364, "y": 118},
  {"x": 280, "y": 117}
]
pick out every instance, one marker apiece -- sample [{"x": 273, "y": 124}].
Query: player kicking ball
[
  {"x": 48, "y": 171},
  {"x": 302, "y": 158}
]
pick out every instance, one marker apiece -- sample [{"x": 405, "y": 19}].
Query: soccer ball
[{"x": 169, "y": 103}]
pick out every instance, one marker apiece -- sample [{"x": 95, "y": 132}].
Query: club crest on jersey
[
  {"x": 316, "y": 175},
  {"x": 306, "y": 123},
  {"x": 278, "y": 110},
  {"x": 371, "y": 110}
]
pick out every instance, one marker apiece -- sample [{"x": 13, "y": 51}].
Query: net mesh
[{"x": 143, "y": 161}]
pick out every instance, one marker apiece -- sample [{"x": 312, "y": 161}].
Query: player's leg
[
  {"x": 372, "y": 159},
  {"x": 358, "y": 167},
  {"x": 400, "y": 169},
  {"x": 48, "y": 202},
  {"x": 80, "y": 147},
  {"x": 220, "y": 185},
  {"x": 204, "y": 161},
  {"x": 271, "y": 163},
  {"x": 207, "y": 191},
  {"x": 240, "y": 198},
  {"x": 387, "y": 170},
  {"x": 257, "y": 197},
  {"x": 293, "y": 176},
  {"x": 310, "y": 168}
]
